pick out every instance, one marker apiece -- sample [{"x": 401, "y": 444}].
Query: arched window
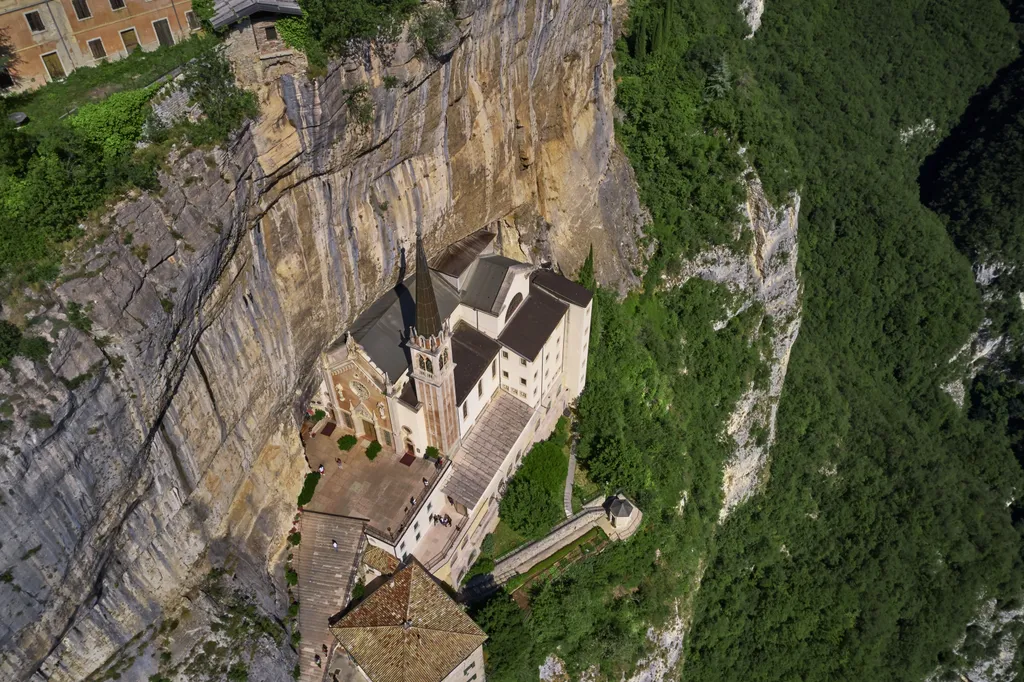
[
  {"x": 516, "y": 300},
  {"x": 442, "y": 360},
  {"x": 430, "y": 366},
  {"x": 422, "y": 364}
]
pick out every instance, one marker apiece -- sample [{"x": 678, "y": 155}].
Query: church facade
[{"x": 468, "y": 362}]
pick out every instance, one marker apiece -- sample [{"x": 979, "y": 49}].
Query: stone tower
[{"x": 430, "y": 343}]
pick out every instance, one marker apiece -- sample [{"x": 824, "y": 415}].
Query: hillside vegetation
[{"x": 883, "y": 524}]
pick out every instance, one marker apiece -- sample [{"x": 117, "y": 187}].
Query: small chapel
[{"x": 454, "y": 373}]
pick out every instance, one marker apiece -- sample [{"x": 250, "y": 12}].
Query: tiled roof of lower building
[
  {"x": 408, "y": 630},
  {"x": 485, "y": 448}
]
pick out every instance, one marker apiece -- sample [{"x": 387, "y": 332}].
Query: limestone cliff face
[{"x": 175, "y": 398}]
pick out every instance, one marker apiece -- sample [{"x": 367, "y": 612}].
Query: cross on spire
[{"x": 428, "y": 319}]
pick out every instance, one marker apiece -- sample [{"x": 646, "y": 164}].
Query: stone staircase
[
  {"x": 570, "y": 478},
  {"x": 326, "y": 578}
]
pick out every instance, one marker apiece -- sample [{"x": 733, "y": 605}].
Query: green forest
[{"x": 884, "y": 525}]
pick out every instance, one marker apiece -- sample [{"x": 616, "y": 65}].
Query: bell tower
[{"x": 430, "y": 343}]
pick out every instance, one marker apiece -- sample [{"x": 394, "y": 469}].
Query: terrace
[{"x": 380, "y": 491}]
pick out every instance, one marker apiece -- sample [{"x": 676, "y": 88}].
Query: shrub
[
  {"x": 293, "y": 609},
  {"x": 372, "y": 450},
  {"x": 295, "y": 33},
  {"x": 432, "y": 452},
  {"x": 347, "y": 442},
  {"x": 358, "y": 591},
  {"x": 432, "y": 28},
  {"x": 342, "y": 26},
  {"x": 291, "y": 577},
  {"x": 390, "y": 82},
  {"x": 360, "y": 105},
  {"x": 295, "y": 538},
  {"x": 10, "y": 340},
  {"x": 308, "y": 486},
  {"x": 77, "y": 317},
  {"x": 34, "y": 348},
  {"x": 211, "y": 84},
  {"x": 317, "y": 416},
  {"x": 115, "y": 124},
  {"x": 38, "y": 420}
]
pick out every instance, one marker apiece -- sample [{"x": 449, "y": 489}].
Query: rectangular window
[
  {"x": 535, "y": 391},
  {"x": 522, "y": 382},
  {"x": 416, "y": 526},
  {"x": 193, "y": 21},
  {"x": 468, "y": 668},
  {"x": 546, "y": 356},
  {"x": 163, "y": 32},
  {"x": 494, "y": 369},
  {"x": 53, "y": 66},
  {"x": 535, "y": 374},
  {"x": 82, "y": 10},
  {"x": 271, "y": 32},
  {"x": 504, "y": 374},
  {"x": 522, "y": 361},
  {"x": 401, "y": 547},
  {"x": 479, "y": 389},
  {"x": 465, "y": 410},
  {"x": 116, "y": 4},
  {"x": 430, "y": 506},
  {"x": 130, "y": 40},
  {"x": 417, "y": 537},
  {"x": 387, "y": 438},
  {"x": 96, "y": 47},
  {"x": 472, "y": 678},
  {"x": 347, "y": 418},
  {"x": 35, "y": 22},
  {"x": 504, "y": 354}
]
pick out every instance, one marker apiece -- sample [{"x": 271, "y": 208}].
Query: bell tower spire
[
  {"x": 428, "y": 319},
  {"x": 430, "y": 343}
]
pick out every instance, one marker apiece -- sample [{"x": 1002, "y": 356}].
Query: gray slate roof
[
  {"x": 535, "y": 319},
  {"x": 562, "y": 288},
  {"x": 383, "y": 327},
  {"x": 484, "y": 291},
  {"x": 229, "y": 11},
  {"x": 485, "y": 448},
  {"x": 454, "y": 259},
  {"x": 472, "y": 352}
]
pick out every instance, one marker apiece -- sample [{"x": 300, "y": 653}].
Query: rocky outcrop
[
  {"x": 752, "y": 11},
  {"x": 766, "y": 276},
  {"x": 186, "y": 329}
]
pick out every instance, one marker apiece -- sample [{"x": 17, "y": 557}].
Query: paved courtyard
[{"x": 380, "y": 491}]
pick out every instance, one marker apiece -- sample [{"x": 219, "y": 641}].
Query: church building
[{"x": 467, "y": 362}]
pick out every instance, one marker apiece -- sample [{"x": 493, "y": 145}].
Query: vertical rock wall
[{"x": 175, "y": 394}]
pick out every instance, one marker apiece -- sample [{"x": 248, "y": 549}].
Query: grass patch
[
  {"x": 49, "y": 103},
  {"x": 506, "y": 539}
]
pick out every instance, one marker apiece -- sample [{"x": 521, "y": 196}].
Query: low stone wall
[{"x": 526, "y": 557}]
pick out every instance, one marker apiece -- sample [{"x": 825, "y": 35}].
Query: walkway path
[
  {"x": 569, "y": 480},
  {"x": 326, "y": 577}
]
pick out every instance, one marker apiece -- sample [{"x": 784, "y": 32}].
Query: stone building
[
  {"x": 52, "y": 38},
  {"x": 409, "y": 630},
  {"x": 470, "y": 361}
]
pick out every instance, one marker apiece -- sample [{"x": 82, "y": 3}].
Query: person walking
[{"x": 334, "y": 544}]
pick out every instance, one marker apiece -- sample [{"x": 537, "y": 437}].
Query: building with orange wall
[{"x": 52, "y": 38}]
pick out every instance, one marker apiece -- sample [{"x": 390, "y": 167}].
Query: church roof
[
  {"x": 472, "y": 352},
  {"x": 562, "y": 288},
  {"x": 487, "y": 287},
  {"x": 408, "y": 630},
  {"x": 454, "y": 259},
  {"x": 383, "y": 327},
  {"x": 532, "y": 325}
]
